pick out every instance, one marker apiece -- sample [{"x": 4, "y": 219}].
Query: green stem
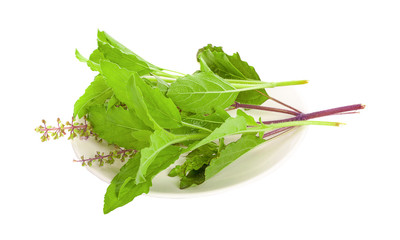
[
  {"x": 195, "y": 126},
  {"x": 267, "y": 84},
  {"x": 287, "y": 124},
  {"x": 167, "y": 80},
  {"x": 248, "y": 87},
  {"x": 175, "y": 72},
  {"x": 250, "y": 81},
  {"x": 258, "y": 129},
  {"x": 240, "y": 85},
  {"x": 164, "y": 74}
]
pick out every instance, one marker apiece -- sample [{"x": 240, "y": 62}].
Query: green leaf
[
  {"x": 118, "y": 125},
  {"x": 97, "y": 93},
  {"x": 119, "y": 54},
  {"x": 162, "y": 109},
  {"x": 249, "y": 119},
  {"x": 162, "y": 85},
  {"x": 196, "y": 159},
  {"x": 142, "y": 135},
  {"x": 116, "y": 78},
  {"x": 160, "y": 140},
  {"x": 112, "y": 102},
  {"x": 91, "y": 64},
  {"x": 229, "y": 127},
  {"x": 192, "y": 171},
  {"x": 209, "y": 47},
  {"x": 104, "y": 37},
  {"x": 96, "y": 56},
  {"x": 121, "y": 82},
  {"x": 202, "y": 93},
  {"x": 123, "y": 188},
  {"x": 126, "y": 172},
  {"x": 193, "y": 177},
  {"x": 211, "y": 121},
  {"x": 149, "y": 103},
  {"x": 231, "y": 67},
  {"x": 219, "y": 62},
  {"x": 113, "y": 198},
  {"x": 232, "y": 152}
]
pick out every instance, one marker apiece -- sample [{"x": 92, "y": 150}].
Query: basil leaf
[
  {"x": 232, "y": 152},
  {"x": 229, "y": 127},
  {"x": 156, "y": 110},
  {"x": 162, "y": 109},
  {"x": 97, "y": 93},
  {"x": 231, "y": 67},
  {"x": 211, "y": 121},
  {"x": 195, "y": 160},
  {"x": 249, "y": 119},
  {"x": 94, "y": 66},
  {"x": 117, "y": 125},
  {"x": 123, "y": 188},
  {"x": 160, "y": 140},
  {"x": 202, "y": 93},
  {"x": 119, "y": 54},
  {"x": 195, "y": 176}
]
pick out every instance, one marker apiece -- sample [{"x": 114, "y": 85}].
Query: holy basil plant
[{"x": 153, "y": 115}]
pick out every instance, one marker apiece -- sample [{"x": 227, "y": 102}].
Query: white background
[{"x": 340, "y": 183}]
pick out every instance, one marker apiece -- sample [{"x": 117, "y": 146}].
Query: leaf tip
[{"x": 106, "y": 210}]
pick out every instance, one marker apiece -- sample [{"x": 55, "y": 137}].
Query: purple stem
[
  {"x": 276, "y": 131},
  {"x": 271, "y": 109},
  {"x": 323, "y": 113}
]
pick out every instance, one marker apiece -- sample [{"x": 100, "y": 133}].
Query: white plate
[{"x": 250, "y": 166}]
